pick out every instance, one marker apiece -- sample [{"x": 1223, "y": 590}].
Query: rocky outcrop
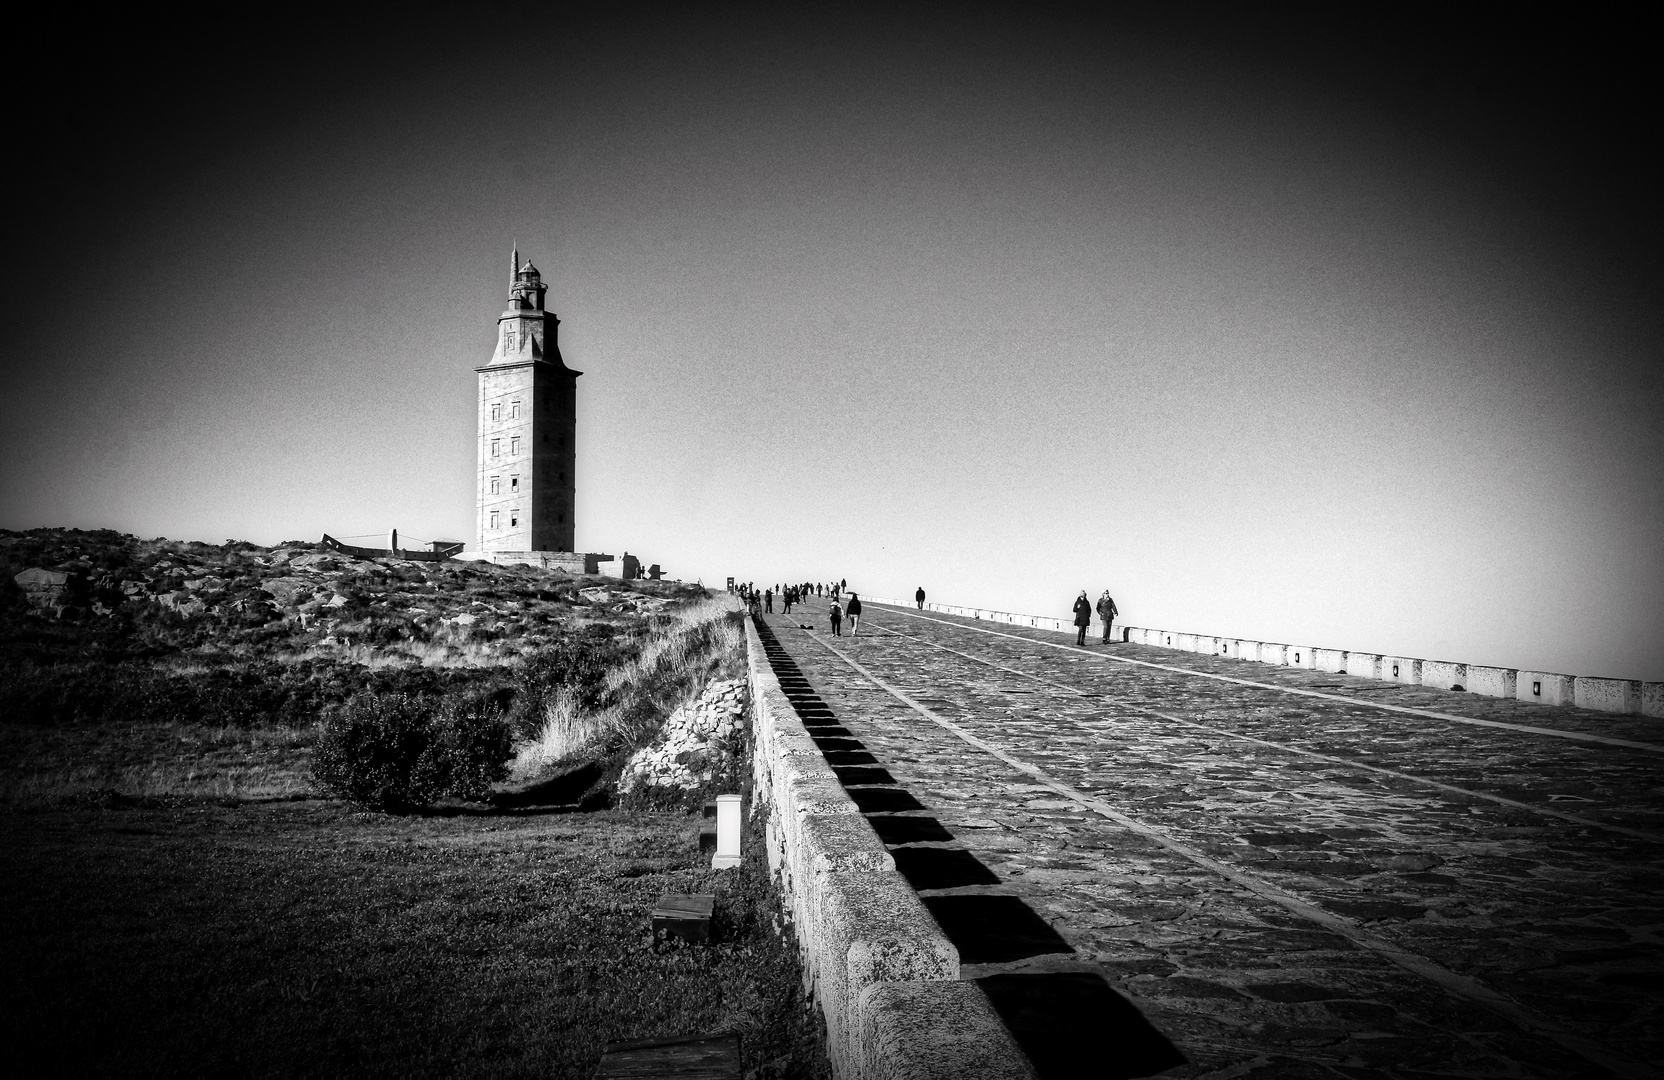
[
  {"x": 43, "y": 588},
  {"x": 696, "y": 741}
]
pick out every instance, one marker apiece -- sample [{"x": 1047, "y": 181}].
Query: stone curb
[
  {"x": 1628, "y": 696},
  {"x": 884, "y": 975},
  {"x": 944, "y": 1025}
]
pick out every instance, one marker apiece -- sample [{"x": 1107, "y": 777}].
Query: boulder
[
  {"x": 43, "y": 588},
  {"x": 286, "y": 589}
]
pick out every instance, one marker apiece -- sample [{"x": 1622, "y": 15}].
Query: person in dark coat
[
  {"x": 837, "y": 620},
  {"x": 919, "y": 596},
  {"x": 1083, "y": 617},
  {"x": 854, "y": 613},
  {"x": 768, "y": 601},
  {"x": 1107, "y": 612}
]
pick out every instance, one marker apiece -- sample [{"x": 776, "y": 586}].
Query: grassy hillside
[
  {"x": 238, "y": 635},
  {"x": 182, "y": 898}
]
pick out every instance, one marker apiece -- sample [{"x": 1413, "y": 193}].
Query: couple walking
[
  {"x": 854, "y": 613},
  {"x": 1083, "y": 615}
]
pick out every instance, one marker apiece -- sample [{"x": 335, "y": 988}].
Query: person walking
[
  {"x": 919, "y": 597},
  {"x": 1107, "y": 612},
  {"x": 1083, "y": 617},
  {"x": 768, "y": 600},
  {"x": 854, "y": 612},
  {"x": 837, "y": 619}
]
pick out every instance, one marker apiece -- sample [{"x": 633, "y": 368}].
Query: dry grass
[
  {"x": 568, "y": 731},
  {"x": 181, "y": 761},
  {"x": 452, "y": 647},
  {"x": 677, "y": 649},
  {"x": 448, "y": 647},
  {"x": 696, "y": 642}
]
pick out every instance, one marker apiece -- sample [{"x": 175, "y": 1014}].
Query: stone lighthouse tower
[{"x": 528, "y": 399}]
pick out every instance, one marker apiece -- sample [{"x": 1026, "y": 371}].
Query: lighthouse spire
[{"x": 514, "y": 275}]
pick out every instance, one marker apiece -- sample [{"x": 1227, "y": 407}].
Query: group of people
[
  {"x": 761, "y": 602},
  {"x": 788, "y": 595},
  {"x": 794, "y": 595},
  {"x": 1105, "y": 608}
]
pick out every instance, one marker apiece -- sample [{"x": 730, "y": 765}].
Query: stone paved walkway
[{"x": 1284, "y": 884}]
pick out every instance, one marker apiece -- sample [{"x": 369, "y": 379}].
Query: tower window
[
  {"x": 496, "y": 485},
  {"x": 513, "y": 483},
  {"x": 514, "y": 519},
  {"x": 496, "y": 447},
  {"x": 493, "y": 519},
  {"x": 496, "y": 410},
  {"x": 514, "y": 410},
  {"x": 514, "y": 445},
  {"x": 508, "y": 337}
]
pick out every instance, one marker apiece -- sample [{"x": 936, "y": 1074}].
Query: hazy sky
[{"x": 1346, "y": 336}]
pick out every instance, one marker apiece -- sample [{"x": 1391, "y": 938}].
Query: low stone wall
[
  {"x": 571, "y": 562},
  {"x": 884, "y": 975},
  {"x": 1627, "y": 696}
]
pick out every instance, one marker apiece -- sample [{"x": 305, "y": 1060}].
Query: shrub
[
  {"x": 468, "y": 749},
  {"x": 572, "y": 669},
  {"x": 395, "y": 751}
]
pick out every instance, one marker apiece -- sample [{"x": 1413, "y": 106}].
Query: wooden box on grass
[
  {"x": 692, "y": 1057},
  {"x": 687, "y": 917}
]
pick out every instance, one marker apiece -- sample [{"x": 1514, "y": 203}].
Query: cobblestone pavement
[{"x": 1284, "y": 884}]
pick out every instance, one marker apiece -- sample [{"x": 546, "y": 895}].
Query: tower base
[{"x": 571, "y": 562}]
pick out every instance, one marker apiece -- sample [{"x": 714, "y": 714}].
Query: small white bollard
[{"x": 727, "y": 832}]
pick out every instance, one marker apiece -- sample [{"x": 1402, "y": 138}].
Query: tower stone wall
[{"x": 527, "y": 428}]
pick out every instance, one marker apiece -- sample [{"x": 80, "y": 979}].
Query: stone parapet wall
[
  {"x": 1628, "y": 696},
  {"x": 571, "y": 562},
  {"x": 884, "y": 975}
]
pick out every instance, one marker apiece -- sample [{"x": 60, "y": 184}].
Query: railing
[
  {"x": 1629, "y": 696},
  {"x": 440, "y": 551}
]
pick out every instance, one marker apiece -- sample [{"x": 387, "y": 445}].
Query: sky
[{"x": 1345, "y": 335}]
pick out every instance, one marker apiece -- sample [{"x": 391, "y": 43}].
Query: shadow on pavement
[
  {"x": 941, "y": 868},
  {"x": 994, "y": 929},
  {"x": 1073, "y": 1024},
  {"x": 907, "y": 830}
]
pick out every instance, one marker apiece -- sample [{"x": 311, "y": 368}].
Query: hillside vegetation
[
  {"x": 236, "y": 634},
  {"x": 184, "y": 896},
  {"x": 233, "y": 638}
]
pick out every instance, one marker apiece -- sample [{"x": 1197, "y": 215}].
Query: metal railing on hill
[{"x": 440, "y": 550}]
